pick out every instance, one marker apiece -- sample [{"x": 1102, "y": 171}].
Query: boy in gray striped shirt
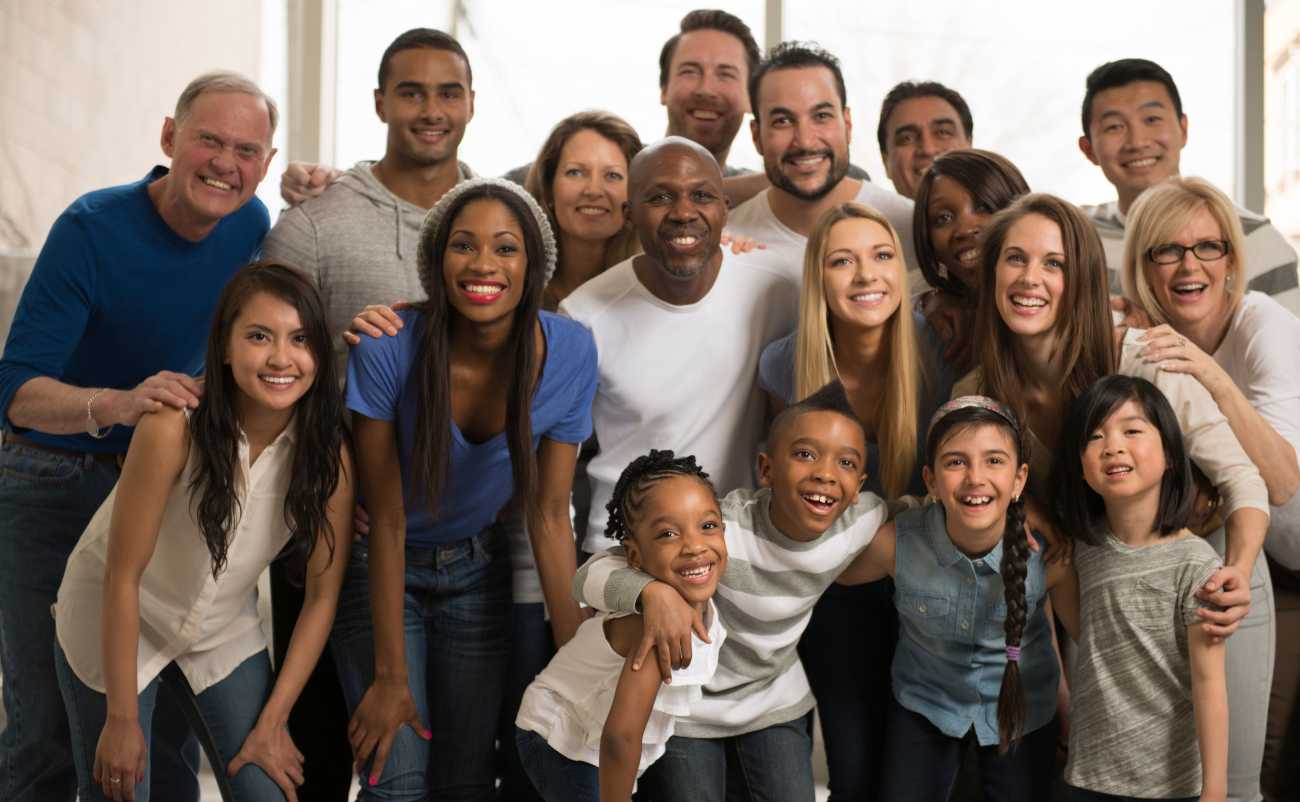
[{"x": 787, "y": 542}]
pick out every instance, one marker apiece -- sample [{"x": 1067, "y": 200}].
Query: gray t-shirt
[{"x": 1132, "y": 728}]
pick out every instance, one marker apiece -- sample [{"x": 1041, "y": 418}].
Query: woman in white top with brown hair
[
  {"x": 1181, "y": 267},
  {"x": 167, "y": 570}
]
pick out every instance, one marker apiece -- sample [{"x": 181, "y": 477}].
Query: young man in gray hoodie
[
  {"x": 360, "y": 237},
  {"x": 359, "y": 240}
]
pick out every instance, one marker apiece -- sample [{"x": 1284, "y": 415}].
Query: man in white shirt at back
[
  {"x": 679, "y": 330},
  {"x": 802, "y": 126}
]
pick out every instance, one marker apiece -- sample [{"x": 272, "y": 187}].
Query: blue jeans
[
  {"x": 229, "y": 709},
  {"x": 531, "y": 648},
  {"x": 773, "y": 764},
  {"x": 850, "y": 678},
  {"x": 457, "y": 626},
  {"x": 555, "y": 776},
  {"x": 921, "y": 763},
  {"x": 1080, "y": 795},
  {"x": 46, "y": 501}
]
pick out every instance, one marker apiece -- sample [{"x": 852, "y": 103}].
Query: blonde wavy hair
[
  {"x": 1157, "y": 216},
  {"x": 814, "y": 361}
]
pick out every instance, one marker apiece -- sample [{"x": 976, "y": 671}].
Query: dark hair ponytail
[{"x": 1015, "y": 566}]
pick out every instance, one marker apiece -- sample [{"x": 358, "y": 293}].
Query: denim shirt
[{"x": 951, "y": 645}]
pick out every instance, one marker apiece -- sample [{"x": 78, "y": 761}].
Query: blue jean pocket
[{"x": 20, "y": 466}]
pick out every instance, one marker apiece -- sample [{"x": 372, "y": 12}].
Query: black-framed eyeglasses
[{"x": 1171, "y": 253}]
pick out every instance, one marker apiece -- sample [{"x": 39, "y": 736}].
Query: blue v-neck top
[{"x": 383, "y": 384}]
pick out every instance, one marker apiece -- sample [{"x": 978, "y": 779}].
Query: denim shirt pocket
[
  {"x": 928, "y": 612},
  {"x": 995, "y": 620}
]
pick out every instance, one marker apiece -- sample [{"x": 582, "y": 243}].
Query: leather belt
[{"x": 97, "y": 456}]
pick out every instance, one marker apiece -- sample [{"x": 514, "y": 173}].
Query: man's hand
[
  {"x": 161, "y": 389},
  {"x": 376, "y": 320},
  {"x": 302, "y": 181},
  {"x": 667, "y": 623},
  {"x": 1229, "y": 588}
]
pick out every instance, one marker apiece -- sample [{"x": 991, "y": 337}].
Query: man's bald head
[
  {"x": 652, "y": 157},
  {"x": 675, "y": 202}
]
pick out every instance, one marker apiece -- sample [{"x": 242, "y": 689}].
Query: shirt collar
[{"x": 948, "y": 555}]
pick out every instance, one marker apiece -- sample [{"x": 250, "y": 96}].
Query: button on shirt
[
  {"x": 951, "y": 643},
  {"x": 207, "y": 626}
]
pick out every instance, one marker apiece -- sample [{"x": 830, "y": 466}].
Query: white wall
[{"x": 84, "y": 88}]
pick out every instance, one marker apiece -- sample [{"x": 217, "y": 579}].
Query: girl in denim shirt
[{"x": 975, "y": 654}]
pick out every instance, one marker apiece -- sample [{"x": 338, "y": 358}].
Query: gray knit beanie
[{"x": 437, "y": 215}]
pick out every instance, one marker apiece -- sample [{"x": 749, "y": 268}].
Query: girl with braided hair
[
  {"x": 975, "y": 655},
  {"x": 589, "y": 725},
  {"x": 1146, "y": 674}
]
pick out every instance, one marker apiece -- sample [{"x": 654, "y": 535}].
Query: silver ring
[
  {"x": 1182, "y": 341},
  {"x": 115, "y": 780}
]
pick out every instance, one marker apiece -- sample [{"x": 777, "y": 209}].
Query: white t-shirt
[
  {"x": 568, "y": 702},
  {"x": 680, "y": 377},
  {"x": 785, "y": 246}
]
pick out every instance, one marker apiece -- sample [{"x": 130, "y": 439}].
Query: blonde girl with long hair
[{"x": 856, "y": 325}]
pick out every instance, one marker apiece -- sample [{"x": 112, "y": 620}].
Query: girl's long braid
[
  {"x": 637, "y": 478},
  {"x": 1015, "y": 566}
]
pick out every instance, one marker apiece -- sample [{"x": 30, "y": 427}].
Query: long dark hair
[
  {"x": 1078, "y": 509},
  {"x": 993, "y": 183},
  {"x": 317, "y": 422},
  {"x": 1015, "y": 559},
  {"x": 1086, "y": 350},
  {"x": 433, "y": 416}
]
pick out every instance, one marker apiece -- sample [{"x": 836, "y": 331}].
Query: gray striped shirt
[{"x": 764, "y": 600}]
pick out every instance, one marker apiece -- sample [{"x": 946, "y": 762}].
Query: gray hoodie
[{"x": 358, "y": 241}]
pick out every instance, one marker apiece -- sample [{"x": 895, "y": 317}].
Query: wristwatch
[{"x": 92, "y": 427}]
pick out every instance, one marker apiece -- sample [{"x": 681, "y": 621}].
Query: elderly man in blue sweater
[{"x": 112, "y": 324}]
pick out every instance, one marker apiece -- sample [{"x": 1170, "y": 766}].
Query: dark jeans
[
  {"x": 46, "y": 501},
  {"x": 773, "y": 764},
  {"x": 457, "y": 626},
  {"x": 318, "y": 722},
  {"x": 1080, "y": 795},
  {"x": 921, "y": 763},
  {"x": 229, "y": 708},
  {"x": 531, "y": 648},
  {"x": 555, "y": 776},
  {"x": 850, "y": 678}
]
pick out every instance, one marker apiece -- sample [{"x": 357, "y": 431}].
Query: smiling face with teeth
[
  {"x": 426, "y": 104},
  {"x": 861, "y": 274},
  {"x": 219, "y": 153},
  {"x": 706, "y": 93},
  {"x": 1125, "y": 457},
  {"x": 975, "y": 473},
  {"x": 955, "y": 221},
  {"x": 590, "y": 188},
  {"x": 802, "y": 130},
  {"x": 678, "y": 208},
  {"x": 269, "y": 357},
  {"x": 677, "y": 537},
  {"x": 485, "y": 263},
  {"x": 1030, "y": 277},
  {"x": 1193, "y": 290},
  {"x": 815, "y": 466},
  {"x": 1135, "y": 136}
]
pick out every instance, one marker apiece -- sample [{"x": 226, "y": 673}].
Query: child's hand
[
  {"x": 1229, "y": 588},
  {"x": 667, "y": 623},
  {"x": 1058, "y": 547}
]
